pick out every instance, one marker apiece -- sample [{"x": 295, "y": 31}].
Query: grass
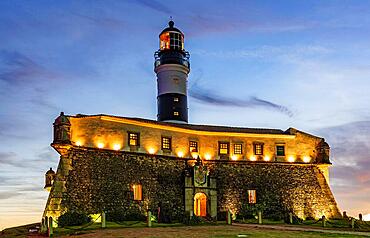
[
  {"x": 139, "y": 229},
  {"x": 204, "y": 231}
]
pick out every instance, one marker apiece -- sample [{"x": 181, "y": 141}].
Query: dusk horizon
[{"x": 254, "y": 64}]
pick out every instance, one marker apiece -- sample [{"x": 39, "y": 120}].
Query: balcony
[{"x": 172, "y": 57}]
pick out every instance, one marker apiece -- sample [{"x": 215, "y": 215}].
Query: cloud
[
  {"x": 8, "y": 194},
  {"x": 216, "y": 23},
  {"x": 42, "y": 157},
  {"x": 154, "y": 5},
  {"x": 23, "y": 76},
  {"x": 213, "y": 98},
  {"x": 267, "y": 52},
  {"x": 350, "y": 155},
  {"x": 18, "y": 68},
  {"x": 10, "y": 158},
  {"x": 105, "y": 22}
]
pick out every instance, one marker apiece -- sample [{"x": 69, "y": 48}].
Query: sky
[{"x": 270, "y": 64}]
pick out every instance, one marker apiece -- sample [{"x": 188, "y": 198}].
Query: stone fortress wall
[{"x": 91, "y": 179}]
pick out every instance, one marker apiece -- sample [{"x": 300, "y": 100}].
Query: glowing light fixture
[
  {"x": 306, "y": 159},
  {"x": 252, "y": 158},
  {"x": 100, "y": 145},
  {"x": 291, "y": 159},
  {"x": 180, "y": 154},
  {"x": 194, "y": 155},
  {"x": 78, "y": 143},
  {"x": 266, "y": 158},
  {"x": 207, "y": 156},
  {"x": 234, "y": 157},
  {"x": 95, "y": 217},
  {"x": 151, "y": 151},
  {"x": 116, "y": 147}
]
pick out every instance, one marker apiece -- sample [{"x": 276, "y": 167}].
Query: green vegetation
[
  {"x": 180, "y": 231},
  {"x": 73, "y": 219},
  {"x": 200, "y": 227}
]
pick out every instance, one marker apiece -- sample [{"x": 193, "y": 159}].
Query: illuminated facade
[{"x": 133, "y": 164}]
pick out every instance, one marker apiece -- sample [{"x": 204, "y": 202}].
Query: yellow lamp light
[
  {"x": 151, "y": 150},
  {"x": 79, "y": 143},
  {"x": 100, "y": 145},
  {"x": 266, "y": 158},
  {"x": 291, "y": 159},
  {"x": 207, "y": 156},
  {"x": 234, "y": 157},
  {"x": 180, "y": 154},
  {"x": 116, "y": 147},
  {"x": 252, "y": 158},
  {"x": 194, "y": 155},
  {"x": 306, "y": 159}
]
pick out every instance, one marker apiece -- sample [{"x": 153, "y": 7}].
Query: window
[
  {"x": 193, "y": 146},
  {"x": 238, "y": 149},
  {"x": 175, "y": 113},
  {"x": 166, "y": 143},
  {"x": 175, "y": 99},
  {"x": 133, "y": 139},
  {"x": 223, "y": 148},
  {"x": 280, "y": 150},
  {"x": 252, "y": 196},
  {"x": 138, "y": 193},
  {"x": 176, "y": 41},
  {"x": 258, "y": 149}
]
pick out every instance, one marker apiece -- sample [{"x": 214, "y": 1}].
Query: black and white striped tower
[{"x": 172, "y": 68}]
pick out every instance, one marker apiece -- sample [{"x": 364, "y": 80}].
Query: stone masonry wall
[
  {"x": 301, "y": 189},
  {"x": 101, "y": 180}
]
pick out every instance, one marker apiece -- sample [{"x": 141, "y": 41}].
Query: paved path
[{"x": 296, "y": 228}]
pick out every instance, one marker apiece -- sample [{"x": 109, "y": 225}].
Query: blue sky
[{"x": 279, "y": 64}]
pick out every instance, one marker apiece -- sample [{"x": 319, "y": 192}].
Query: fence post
[
  {"x": 290, "y": 218},
  {"x": 228, "y": 217},
  {"x": 345, "y": 214},
  {"x": 50, "y": 227},
  {"x": 42, "y": 225},
  {"x": 149, "y": 218},
  {"x": 46, "y": 223},
  {"x": 323, "y": 221},
  {"x": 103, "y": 220},
  {"x": 259, "y": 217},
  {"x": 360, "y": 217},
  {"x": 353, "y": 223}
]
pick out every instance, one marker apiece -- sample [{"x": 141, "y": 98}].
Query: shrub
[
  {"x": 194, "y": 220},
  {"x": 120, "y": 215},
  {"x": 221, "y": 215},
  {"x": 73, "y": 219},
  {"x": 296, "y": 219}
]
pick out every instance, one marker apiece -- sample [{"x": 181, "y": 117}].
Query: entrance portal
[{"x": 200, "y": 204}]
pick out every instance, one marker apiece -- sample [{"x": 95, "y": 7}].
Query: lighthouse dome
[{"x": 171, "y": 38}]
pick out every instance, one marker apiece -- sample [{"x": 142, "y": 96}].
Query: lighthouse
[{"x": 172, "y": 68}]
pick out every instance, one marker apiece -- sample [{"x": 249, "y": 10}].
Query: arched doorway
[{"x": 200, "y": 204}]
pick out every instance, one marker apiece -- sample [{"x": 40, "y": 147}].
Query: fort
[{"x": 113, "y": 163}]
